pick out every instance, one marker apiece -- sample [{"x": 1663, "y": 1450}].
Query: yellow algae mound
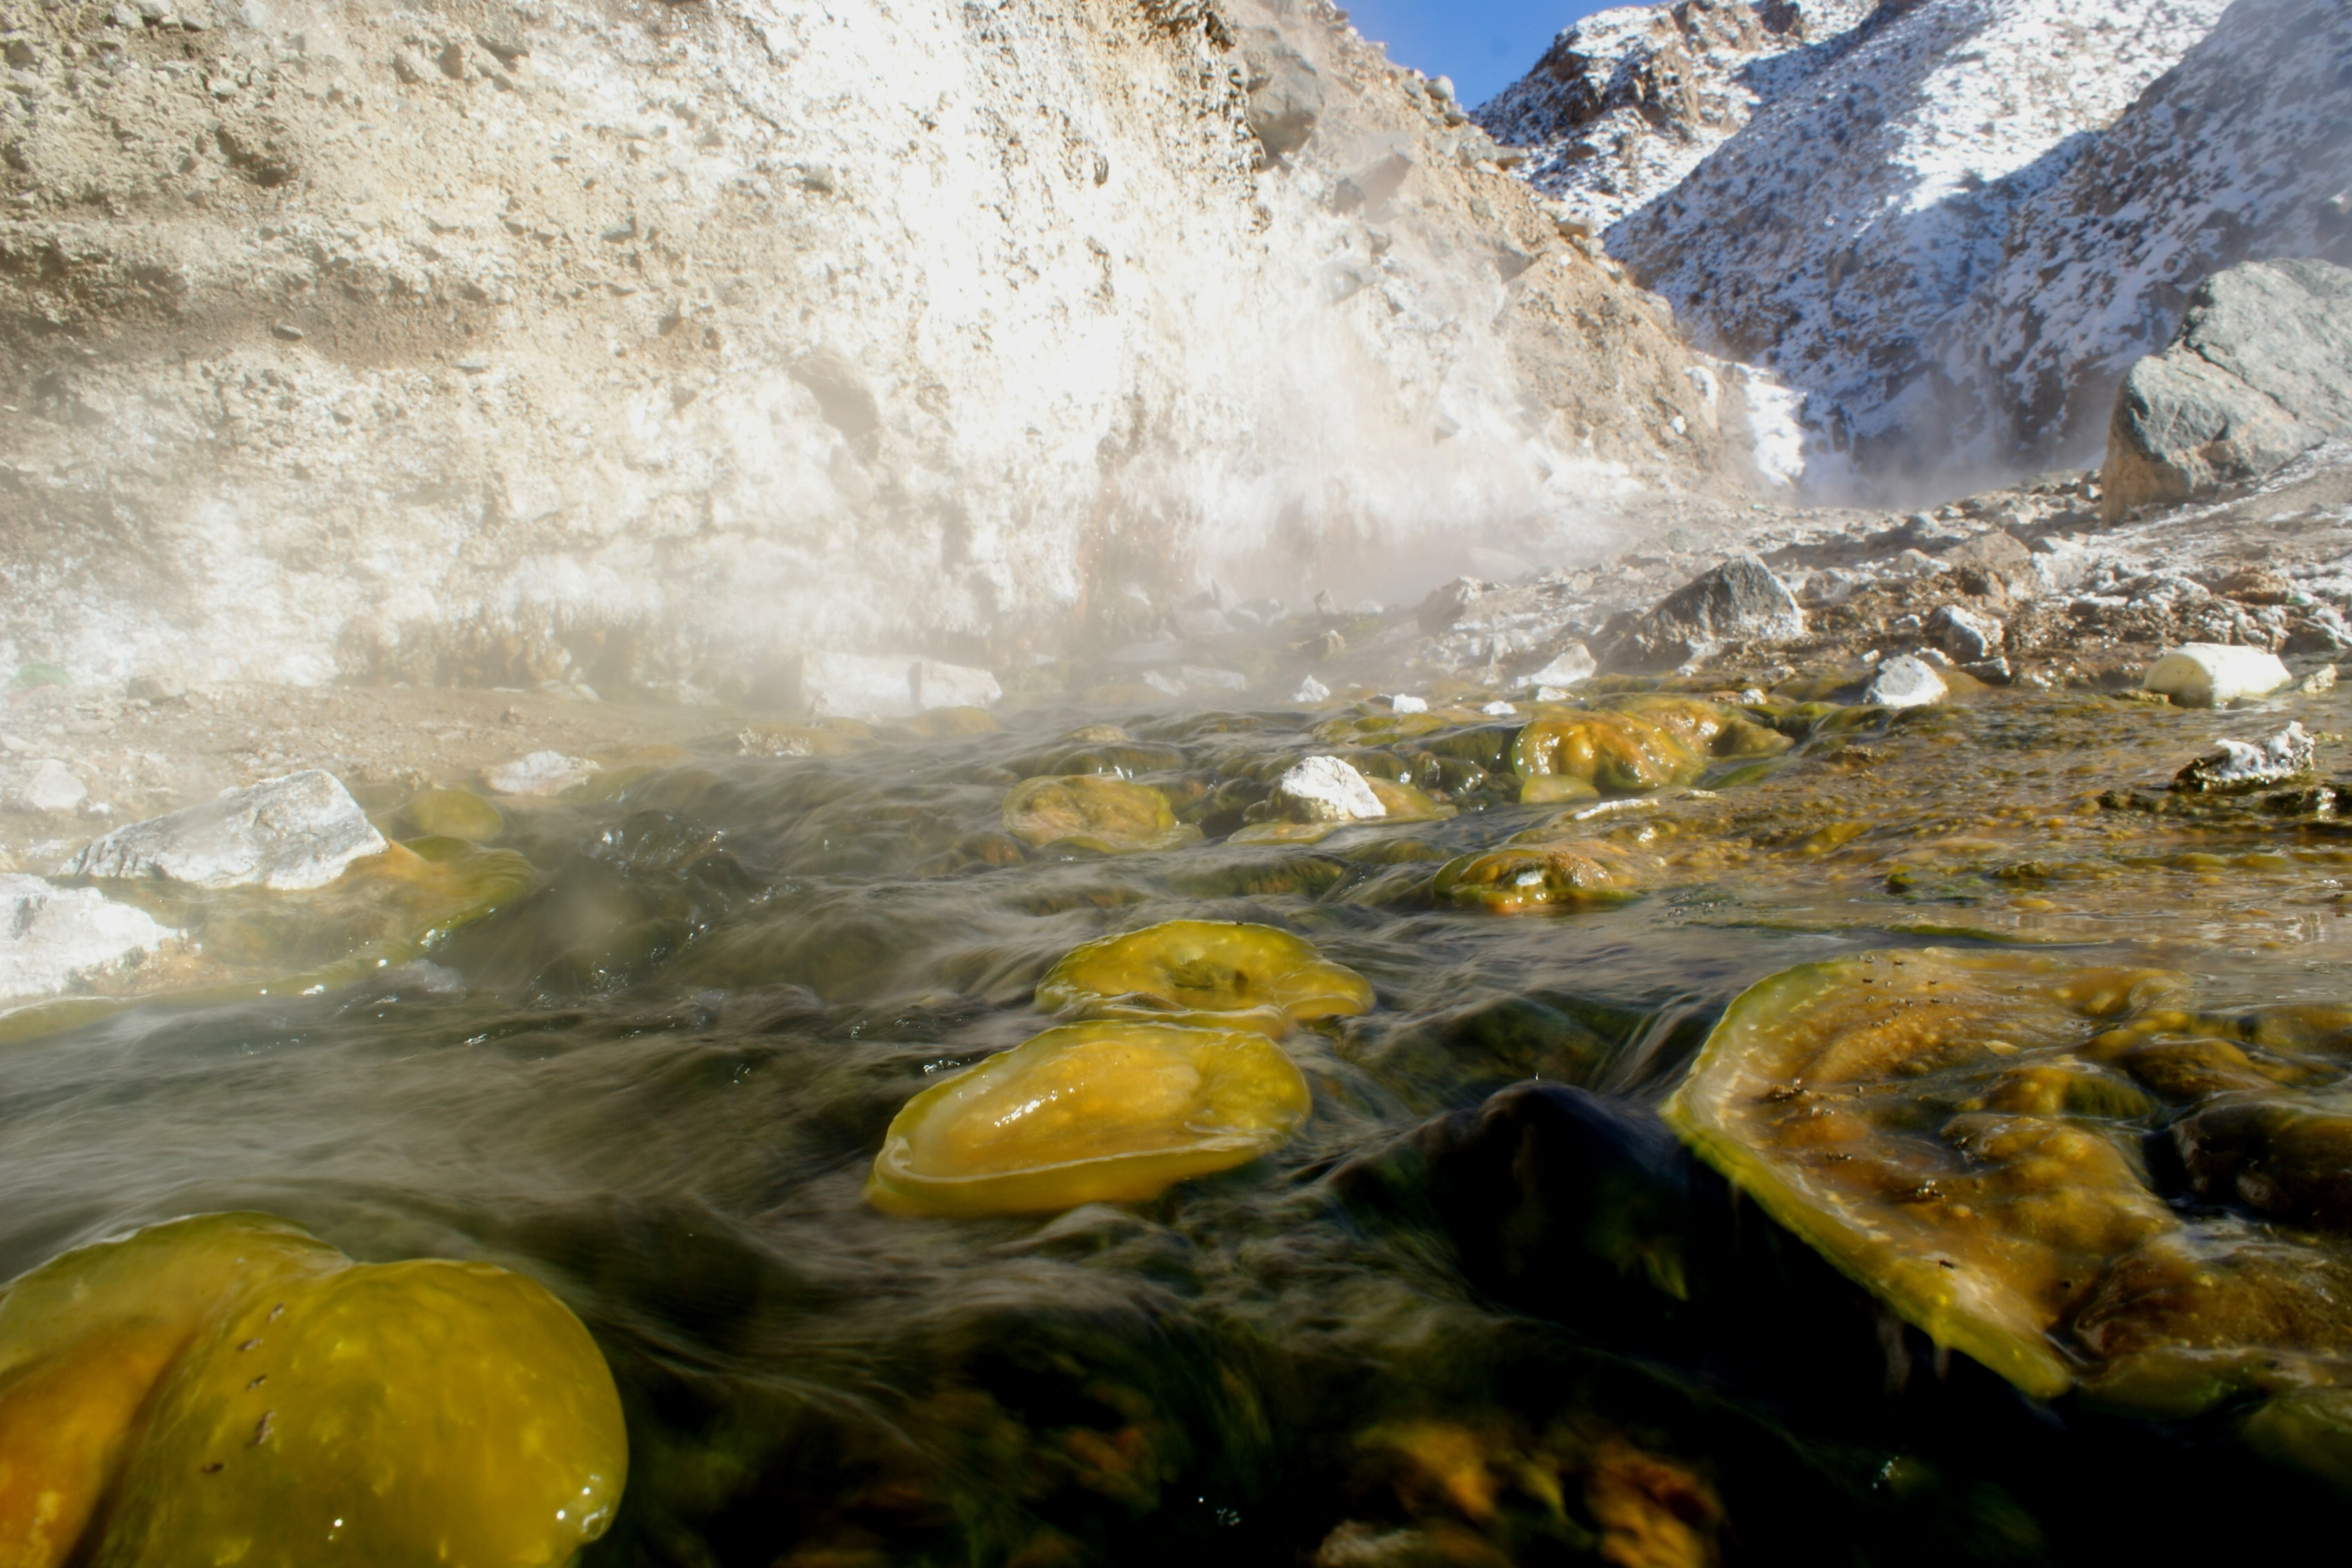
[
  {"x": 228, "y": 1389},
  {"x": 1250, "y": 976},
  {"x": 1097, "y": 1112},
  {"x": 1890, "y": 1109},
  {"x": 1613, "y": 753},
  {"x": 1519, "y": 878},
  {"x": 1091, "y": 811},
  {"x": 1709, "y": 728}
]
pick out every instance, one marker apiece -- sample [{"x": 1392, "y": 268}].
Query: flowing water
[{"x": 655, "y": 1079}]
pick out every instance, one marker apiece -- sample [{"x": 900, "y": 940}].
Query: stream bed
[{"x": 1483, "y": 1307}]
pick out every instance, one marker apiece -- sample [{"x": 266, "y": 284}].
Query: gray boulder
[
  {"x": 1740, "y": 602},
  {"x": 2260, "y": 372},
  {"x": 299, "y": 831}
]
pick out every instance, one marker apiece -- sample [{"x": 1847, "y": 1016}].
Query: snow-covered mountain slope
[
  {"x": 648, "y": 344},
  {"x": 2243, "y": 152},
  {"x": 1626, "y": 102},
  {"x": 1833, "y": 235}
]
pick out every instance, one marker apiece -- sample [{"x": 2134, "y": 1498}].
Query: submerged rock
[
  {"x": 299, "y": 831},
  {"x": 53, "y": 939},
  {"x": 228, "y": 1388},
  {"x": 1090, "y": 811},
  {"x": 1096, "y": 1113},
  {"x": 2242, "y": 764},
  {"x": 2214, "y": 674},
  {"x": 1556, "y": 876},
  {"x": 1708, "y": 729},
  {"x": 2256, "y": 376},
  {"x": 1252, "y": 976}
]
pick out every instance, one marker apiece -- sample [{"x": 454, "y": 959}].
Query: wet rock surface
[{"x": 292, "y": 833}]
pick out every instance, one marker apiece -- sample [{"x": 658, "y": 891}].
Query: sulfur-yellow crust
[
  {"x": 1250, "y": 976},
  {"x": 1095, "y": 1112},
  {"x": 228, "y": 1388},
  {"x": 1986, "y": 1232}
]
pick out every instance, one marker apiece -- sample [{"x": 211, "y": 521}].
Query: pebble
[
  {"x": 1570, "y": 665},
  {"x": 1903, "y": 681},
  {"x": 1311, "y": 691},
  {"x": 1401, "y": 703},
  {"x": 2214, "y": 674}
]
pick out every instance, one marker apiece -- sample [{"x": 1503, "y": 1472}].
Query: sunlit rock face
[{"x": 644, "y": 346}]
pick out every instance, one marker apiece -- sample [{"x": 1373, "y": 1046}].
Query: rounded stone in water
[
  {"x": 231, "y": 1389},
  {"x": 1541, "y": 876},
  {"x": 1096, "y": 1113},
  {"x": 1093, "y": 812},
  {"x": 1253, "y": 975}
]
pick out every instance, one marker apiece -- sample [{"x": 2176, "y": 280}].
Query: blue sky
[{"x": 1483, "y": 44}]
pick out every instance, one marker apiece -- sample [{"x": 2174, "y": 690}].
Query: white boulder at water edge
[{"x": 296, "y": 832}]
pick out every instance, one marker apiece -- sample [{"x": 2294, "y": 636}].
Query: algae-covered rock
[
  {"x": 1093, "y": 812},
  {"x": 1708, "y": 729},
  {"x": 1094, "y": 1112},
  {"x": 1615, "y": 753},
  {"x": 1523, "y": 878},
  {"x": 1819, "y": 1092},
  {"x": 449, "y": 814},
  {"x": 1256, "y": 976},
  {"x": 234, "y": 1391}
]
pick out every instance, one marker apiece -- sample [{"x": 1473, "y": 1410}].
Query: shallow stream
[{"x": 656, "y": 1081}]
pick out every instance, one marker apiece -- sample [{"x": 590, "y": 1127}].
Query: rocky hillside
[
  {"x": 2242, "y": 152},
  {"x": 1626, "y": 102},
  {"x": 629, "y": 343},
  {"x": 1832, "y": 236}
]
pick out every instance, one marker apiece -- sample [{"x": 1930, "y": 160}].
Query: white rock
[
  {"x": 1550, "y": 694},
  {"x": 52, "y": 937},
  {"x": 1570, "y": 665},
  {"x": 2214, "y": 674},
  {"x": 52, "y": 787},
  {"x": 1311, "y": 691},
  {"x": 1326, "y": 789},
  {"x": 299, "y": 831},
  {"x": 1401, "y": 703},
  {"x": 1969, "y": 637},
  {"x": 541, "y": 773},
  {"x": 1905, "y": 682},
  {"x": 2238, "y": 765},
  {"x": 1498, "y": 709}
]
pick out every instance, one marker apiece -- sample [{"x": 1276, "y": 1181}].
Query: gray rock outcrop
[
  {"x": 645, "y": 346},
  {"x": 292, "y": 833},
  {"x": 2260, "y": 372},
  {"x": 1740, "y": 602}
]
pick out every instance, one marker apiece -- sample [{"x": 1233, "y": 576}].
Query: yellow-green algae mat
[
  {"x": 1960, "y": 1132},
  {"x": 1173, "y": 1073},
  {"x": 229, "y": 1389}
]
